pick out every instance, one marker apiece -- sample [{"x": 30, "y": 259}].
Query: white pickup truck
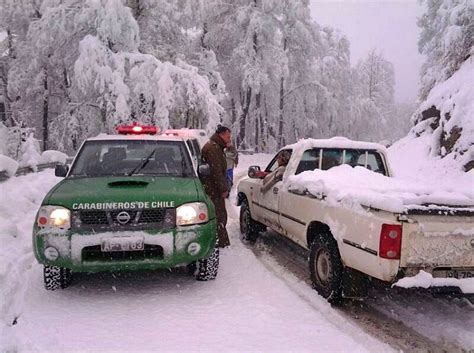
[{"x": 338, "y": 199}]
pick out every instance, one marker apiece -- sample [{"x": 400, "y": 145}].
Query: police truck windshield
[{"x": 132, "y": 157}]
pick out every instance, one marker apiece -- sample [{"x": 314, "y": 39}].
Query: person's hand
[{"x": 225, "y": 194}]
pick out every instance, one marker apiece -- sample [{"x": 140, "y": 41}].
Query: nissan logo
[{"x": 123, "y": 217}]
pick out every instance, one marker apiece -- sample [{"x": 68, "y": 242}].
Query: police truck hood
[{"x": 123, "y": 192}]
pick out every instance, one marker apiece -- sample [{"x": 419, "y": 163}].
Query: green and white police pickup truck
[{"x": 130, "y": 201}]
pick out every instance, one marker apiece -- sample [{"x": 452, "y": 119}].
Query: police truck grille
[
  {"x": 152, "y": 216},
  {"x": 94, "y": 217},
  {"x": 117, "y": 217}
]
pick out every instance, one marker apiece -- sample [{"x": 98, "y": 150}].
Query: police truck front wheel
[
  {"x": 206, "y": 269},
  {"x": 56, "y": 277}
]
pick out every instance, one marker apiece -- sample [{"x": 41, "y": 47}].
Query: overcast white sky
[{"x": 387, "y": 25}]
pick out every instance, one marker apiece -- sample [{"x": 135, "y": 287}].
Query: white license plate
[
  {"x": 122, "y": 244},
  {"x": 460, "y": 274}
]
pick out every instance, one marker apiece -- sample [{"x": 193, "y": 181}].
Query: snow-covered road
[{"x": 247, "y": 308}]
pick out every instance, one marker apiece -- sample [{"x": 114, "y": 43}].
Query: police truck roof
[
  {"x": 135, "y": 132},
  {"x": 102, "y": 137}
]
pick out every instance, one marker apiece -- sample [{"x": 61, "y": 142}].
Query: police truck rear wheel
[
  {"x": 248, "y": 227},
  {"x": 206, "y": 269},
  {"x": 326, "y": 268},
  {"x": 56, "y": 277}
]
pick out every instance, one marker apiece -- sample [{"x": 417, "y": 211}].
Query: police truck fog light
[
  {"x": 51, "y": 253},
  {"x": 193, "y": 248}
]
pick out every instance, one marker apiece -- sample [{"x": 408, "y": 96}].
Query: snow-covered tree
[
  {"x": 446, "y": 39},
  {"x": 81, "y": 69},
  {"x": 445, "y": 114}
]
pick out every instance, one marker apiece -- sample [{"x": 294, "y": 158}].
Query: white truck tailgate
[{"x": 430, "y": 241}]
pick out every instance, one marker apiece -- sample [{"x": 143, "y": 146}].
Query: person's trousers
[
  {"x": 221, "y": 215},
  {"x": 230, "y": 177}
]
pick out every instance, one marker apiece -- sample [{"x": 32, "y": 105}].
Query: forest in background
[{"x": 70, "y": 69}]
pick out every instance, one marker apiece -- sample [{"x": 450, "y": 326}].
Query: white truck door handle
[{"x": 275, "y": 190}]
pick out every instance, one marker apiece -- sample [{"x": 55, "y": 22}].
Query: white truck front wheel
[{"x": 248, "y": 227}]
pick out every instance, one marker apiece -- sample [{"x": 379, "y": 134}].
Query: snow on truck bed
[{"x": 357, "y": 186}]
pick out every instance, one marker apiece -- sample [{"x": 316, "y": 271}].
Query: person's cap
[{"x": 221, "y": 129}]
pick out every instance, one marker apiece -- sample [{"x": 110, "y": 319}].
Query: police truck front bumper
[{"x": 124, "y": 250}]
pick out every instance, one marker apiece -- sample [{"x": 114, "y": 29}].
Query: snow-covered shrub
[
  {"x": 8, "y": 165},
  {"x": 30, "y": 153},
  {"x": 51, "y": 156}
]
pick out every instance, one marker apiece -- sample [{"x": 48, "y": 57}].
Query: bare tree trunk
[
  {"x": 243, "y": 119},
  {"x": 203, "y": 36},
  {"x": 11, "y": 50},
  {"x": 233, "y": 111},
  {"x": 45, "y": 109},
  {"x": 8, "y": 118},
  {"x": 263, "y": 123},
  {"x": 258, "y": 120},
  {"x": 186, "y": 121},
  {"x": 281, "y": 139},
  {"x": 280, "y": 119}
]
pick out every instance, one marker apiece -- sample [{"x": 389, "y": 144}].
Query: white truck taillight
[{"x": 390, "y": 241}]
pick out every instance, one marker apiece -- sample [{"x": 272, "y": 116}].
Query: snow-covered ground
[{"x": 247, "y": 308}]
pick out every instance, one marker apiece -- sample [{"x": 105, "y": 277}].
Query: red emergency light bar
[{"x": 136, "y": 129}]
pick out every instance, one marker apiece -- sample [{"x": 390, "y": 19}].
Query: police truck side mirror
[
  {"x": 254, "y": 171},
  {"x": 61, "y": 170},
  {"x": 204, "y": 170}
]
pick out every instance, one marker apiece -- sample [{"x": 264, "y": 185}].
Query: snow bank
[
  {"x": 452, "y": 118},
  {"x": 21, "y": 198},
  {"x": 357, "y": 186},
  {"x": 52, "y": 156},
  {"x": 8, "y": 165},
  {"x": 426, "y": 280}
]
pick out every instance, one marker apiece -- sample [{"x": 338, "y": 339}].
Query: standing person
[
  {"x": 215, "y": 185},
  {"x": 232, "y": 159}
]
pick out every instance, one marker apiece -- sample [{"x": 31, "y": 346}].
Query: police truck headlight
[
  {"x": 54, "y": 216},
  {"x": 192, "y": 213}
]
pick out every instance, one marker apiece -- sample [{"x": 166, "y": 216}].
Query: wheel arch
[
  {"x": 241, "y": 197},
  {"x": 315, "y": 228}
]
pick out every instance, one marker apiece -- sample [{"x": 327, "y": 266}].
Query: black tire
[
  {"x": 56, "y": 277},
  {"x": 206, "y": 269},
  {"x": 249, "y": 228},
  {"x": 326, "y": 268}
]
